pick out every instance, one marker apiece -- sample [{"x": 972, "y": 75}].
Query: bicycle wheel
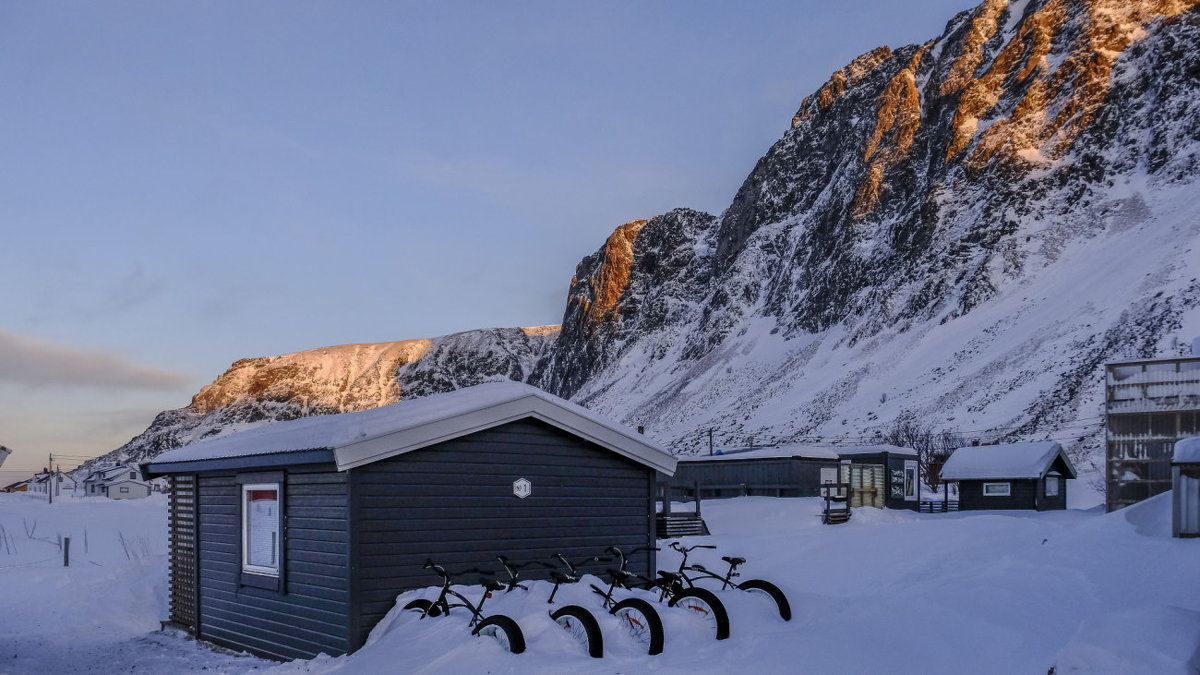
[
  {"x": 581, "y": 625},
  {"x": 425, "y": 607},
  {"x": 641, "y": 622},
  {"x": 704, "y": 604},
  {"x": 760, "y": 587},
  {"x": 503, "y": 630}
]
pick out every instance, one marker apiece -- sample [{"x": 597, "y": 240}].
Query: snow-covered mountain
[
  {"x": 338, "y": 379},
  {"x": 961, "y": 231}
]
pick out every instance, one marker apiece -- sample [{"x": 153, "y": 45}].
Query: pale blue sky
[{"x": 189, "y": 183}]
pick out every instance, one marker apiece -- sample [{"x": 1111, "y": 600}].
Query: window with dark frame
[
  {"x": 261, "y": 536},
  {"x": 1052, "y": 486}
]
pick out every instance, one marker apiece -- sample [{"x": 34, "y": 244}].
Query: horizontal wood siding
[
  {"x": 311, "y": 615},
  {"x": 971, "y": 497},
  {"x": 772, "y": 477},
  {"x": 454, "y": 503}
]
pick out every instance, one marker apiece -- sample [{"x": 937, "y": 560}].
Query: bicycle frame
[
  {"x": 704, "y": 572},
  {"x": 445, "y": 605}
]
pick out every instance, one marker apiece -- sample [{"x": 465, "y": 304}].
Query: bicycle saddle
[
  {"x": 561, "y": 578},
  {"x": 733, "y": 561},
  {"x": 491, "y": 584},
  {"x": 618, "y": 574},
  {"x": 669, "y": 576}
]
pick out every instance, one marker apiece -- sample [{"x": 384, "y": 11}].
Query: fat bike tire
[
  {"x": 423, "y": 607},
  {"x": 759, "y": 586},
  {"x": 704, "y": 603},
  {"x": 581, "y": 625},
  {"x": 504, "y": 631},
  {"x": 640, "y": 621}
]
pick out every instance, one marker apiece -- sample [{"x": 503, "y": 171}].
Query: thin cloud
[{"x": 34, "y": 362}]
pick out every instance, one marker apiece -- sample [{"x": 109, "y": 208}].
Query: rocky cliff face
[{"x": 963, "y": 230}]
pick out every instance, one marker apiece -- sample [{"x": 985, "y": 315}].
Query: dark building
[
  {"x": 295, "y": 538},
  {"x": 880, "y": 475},
  {"x": 783, "y": 471},
  {"x": 1149, "y": 405},
  {"x": 1010, "y": 476}
]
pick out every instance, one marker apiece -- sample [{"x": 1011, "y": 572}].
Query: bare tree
[{"x": 933, "y": 447}]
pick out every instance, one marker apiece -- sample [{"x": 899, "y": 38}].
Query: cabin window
[
  {"x": 910, "y": 481},
  {"x": 1051, "y": 486},
  {"x": 997, "y": 489},
  {"x": 124, "y": 489},
  {"x": 261, "y": 533},
  {"x": 132, "y": 475}
]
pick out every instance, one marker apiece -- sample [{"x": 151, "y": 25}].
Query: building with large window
[{"x": 1150, "y": 405}]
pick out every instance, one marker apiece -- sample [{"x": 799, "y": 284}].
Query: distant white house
[
  {"x": 124, "y": 488},
  {"x": 62, "y": 485},
  {"x": 116, "y": 482}
]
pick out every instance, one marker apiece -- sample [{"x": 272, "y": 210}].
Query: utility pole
[
  {"x": 50, "y": 479},
  {"x": 710, "y": 444}
]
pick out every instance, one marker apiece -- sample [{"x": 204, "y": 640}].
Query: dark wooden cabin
[
  {"x": 1010, "y": 476},
  {"x": 901, "y": 489},
  {"x": 294, "y": 539},
  {"x": 885, "y": 475},
  {"x": 783, "y": 471}
]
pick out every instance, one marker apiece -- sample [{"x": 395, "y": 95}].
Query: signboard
[{"x": 522, "y": 488}]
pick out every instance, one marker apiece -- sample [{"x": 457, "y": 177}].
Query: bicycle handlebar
[
  {"x": 675, "y": 545},
  {"x": 442, "y": 572}
]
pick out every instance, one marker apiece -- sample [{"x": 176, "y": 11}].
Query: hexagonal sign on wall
[{"x": 522, "y": 488}]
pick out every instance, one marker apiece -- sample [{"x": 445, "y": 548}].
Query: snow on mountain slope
[
  {"x": 343, "y": 378},
  {"x": 962, "y": 231}
]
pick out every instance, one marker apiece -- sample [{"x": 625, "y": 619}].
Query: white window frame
[
  {"x": 261, "y": 569},
  {"x": 911, "y": 476},
  {"x": 1055, "y": 480},
  {"x": 124, "y": 490},
  {"x": 1007, "y": 489}
]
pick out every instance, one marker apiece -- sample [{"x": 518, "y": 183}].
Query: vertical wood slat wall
[
  {"x": 183, "y": 559},
  {"x": 866, "y": 483}
]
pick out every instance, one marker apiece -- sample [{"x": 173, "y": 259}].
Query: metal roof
[
  {"x": 368, "y": 436},
  {"x": 1008, "y": 460}
]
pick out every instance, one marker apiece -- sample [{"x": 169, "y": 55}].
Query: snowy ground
[{"x": 890, "y": 591}]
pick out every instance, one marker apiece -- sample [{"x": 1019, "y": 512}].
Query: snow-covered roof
[
  {"x": 122, "y": 481},
  {"x": 805, "y": 451},
  {"x": 1187, "y": 451},
  {"x": 1010, "y": 460},
  {"x": 875, "y": 450},
  {"x": 367, "y": 436}
]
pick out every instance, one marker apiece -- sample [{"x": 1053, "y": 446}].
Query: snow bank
[
  {"x": 890, "y": 591},
  {"x": 99, "y": 614},
  {"x": 1187, "y": 450},
  {"x": 1155, "y": 641}
]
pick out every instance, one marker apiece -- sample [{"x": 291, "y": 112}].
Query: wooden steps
[{"x": 677, "y": 525}]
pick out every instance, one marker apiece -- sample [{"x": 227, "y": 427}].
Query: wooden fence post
[{"x": 66, "y": 551}]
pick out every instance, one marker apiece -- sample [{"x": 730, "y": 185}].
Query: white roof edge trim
[{"x": 391, "y": 444}]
